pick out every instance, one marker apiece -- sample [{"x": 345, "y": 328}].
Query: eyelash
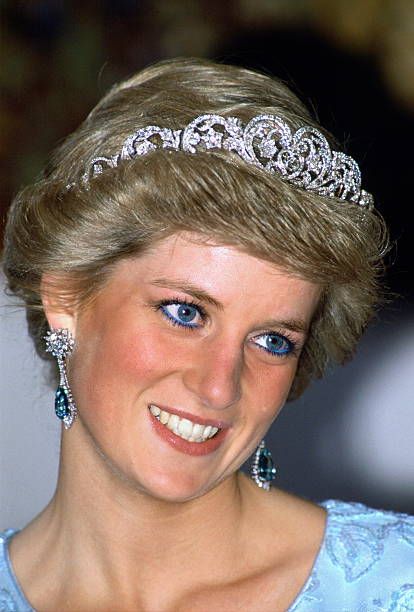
[
  {"x": 292, "y": 350},
  {"x": 161, "y": 307}
]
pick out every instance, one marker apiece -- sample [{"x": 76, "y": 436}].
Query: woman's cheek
[
  {"x": 149, "y": 355},
  {"x": 267, "y": 386}
]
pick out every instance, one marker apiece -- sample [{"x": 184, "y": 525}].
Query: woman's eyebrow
[
  {"x": 295, "y": 325},
  {"x": 187, "y": 287}
]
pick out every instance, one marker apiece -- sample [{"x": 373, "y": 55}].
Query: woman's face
[{"x": 185, "y": 341}]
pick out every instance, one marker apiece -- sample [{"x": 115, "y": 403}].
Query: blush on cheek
[
  {"x": 144, "y": 357},
  {"x": 131, "y": 362}
]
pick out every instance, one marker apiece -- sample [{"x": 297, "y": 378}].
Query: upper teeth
[{"x": 184, "y": 428}]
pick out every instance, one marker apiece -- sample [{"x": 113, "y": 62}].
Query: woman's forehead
[{"x": 195, "y": 263}]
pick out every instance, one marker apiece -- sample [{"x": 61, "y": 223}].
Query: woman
[{"x": 197, "y": 252}]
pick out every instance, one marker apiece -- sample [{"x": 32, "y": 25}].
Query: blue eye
[
  {"x": 275, "y": 344},
  {"x": 182, "y": 313}
]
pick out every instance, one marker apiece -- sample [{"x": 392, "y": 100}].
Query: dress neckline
[
  {"x": 307, "y": 586},
  {"x": 318, "y": 560},
  {"x": 6, "y": 537}
]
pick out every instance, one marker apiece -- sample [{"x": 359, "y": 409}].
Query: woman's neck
[
  {"x": 133, "y": 542},
  {"x": 104, "y": 544}
]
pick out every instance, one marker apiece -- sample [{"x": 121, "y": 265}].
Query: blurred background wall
[{"x": 352, "y": 435}]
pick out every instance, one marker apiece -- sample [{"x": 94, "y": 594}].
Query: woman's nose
[{"x": 214, "y": 375}]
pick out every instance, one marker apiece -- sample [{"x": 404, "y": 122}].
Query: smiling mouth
[{"x": 182, "y": 427}]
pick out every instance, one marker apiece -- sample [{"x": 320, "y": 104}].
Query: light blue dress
[{"x": 365, "y": 564}]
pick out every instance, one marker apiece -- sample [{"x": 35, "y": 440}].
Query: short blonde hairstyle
[{"x": 82, "y": 232}]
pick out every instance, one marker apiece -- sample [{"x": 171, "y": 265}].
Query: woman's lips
[
  {"x": 194, "y": 418},
  {"x": 184, "y": 446}
]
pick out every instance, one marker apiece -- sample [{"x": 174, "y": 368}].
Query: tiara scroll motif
[{"x": 302, "y": 158}]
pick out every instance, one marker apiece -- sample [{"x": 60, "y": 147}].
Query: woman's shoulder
[
  {"x": 11, "y": 596},
  {"x": 366, "y": 559}
]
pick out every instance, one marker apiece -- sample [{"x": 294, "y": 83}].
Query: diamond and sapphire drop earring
[
  {"x": 263, "y": 470},
  {"x": 60, "y": 343}
]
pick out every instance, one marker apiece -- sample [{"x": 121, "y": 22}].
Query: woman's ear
[{"x": 58, "y": 309}]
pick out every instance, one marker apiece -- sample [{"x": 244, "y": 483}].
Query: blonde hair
[{"x": 82, "y": 232}]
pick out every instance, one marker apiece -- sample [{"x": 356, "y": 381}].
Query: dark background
[{"x": 353, "y": 63}]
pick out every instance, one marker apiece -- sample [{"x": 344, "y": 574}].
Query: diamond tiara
[{"x": 302, "y": 158}]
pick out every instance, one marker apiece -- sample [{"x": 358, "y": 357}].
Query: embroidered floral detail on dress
[
  {"x": 407, "y": 532},
  {"x": 353, "y": 548},
  {"x": 308, "y": 594},
  {"x": 7, "y": 603},
  {"x": 403, "y": 599},
  {"x": 355, "y": 542}
]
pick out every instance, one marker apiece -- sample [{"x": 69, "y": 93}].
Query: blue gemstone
[
  {"x": 266, "y": 468},
  {"x": 61, "y": 403}
]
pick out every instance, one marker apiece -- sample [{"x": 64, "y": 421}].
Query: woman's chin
[
  {"x": 177, "y": 487},
  {"x": 177, "y": 491}
]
